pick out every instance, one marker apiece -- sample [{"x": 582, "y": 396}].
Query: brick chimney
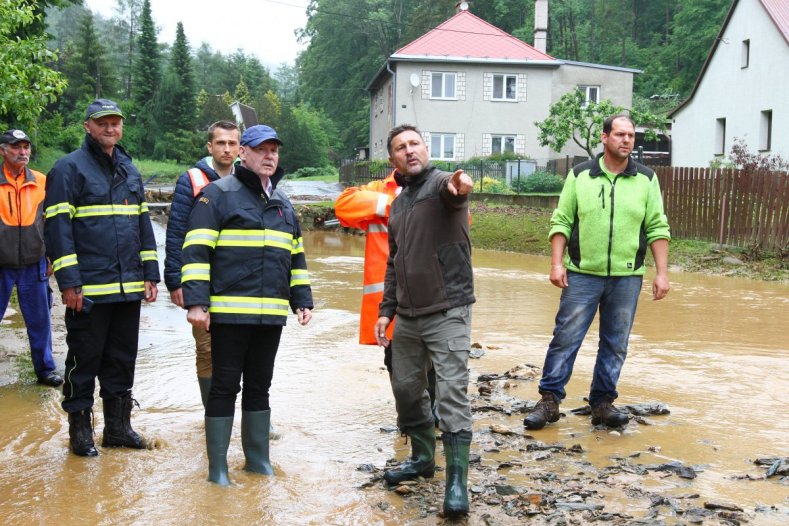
[
  {"x": 462, "y": 6},
  {"x": 541, "y": 25}
]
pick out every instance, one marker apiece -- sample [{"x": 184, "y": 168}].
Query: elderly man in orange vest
[{"x": 22, "y": 260}]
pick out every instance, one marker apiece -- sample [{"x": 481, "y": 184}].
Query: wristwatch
[{"x": 204, "y": 307}]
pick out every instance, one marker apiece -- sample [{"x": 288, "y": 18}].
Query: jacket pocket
[
  {"x": 455, "y": 262},
  {"x": 230, "y": 276}
]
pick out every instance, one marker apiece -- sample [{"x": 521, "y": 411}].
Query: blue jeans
[
  {"x": 35, "y": 300},
  {"x": 617, "y": 298}
]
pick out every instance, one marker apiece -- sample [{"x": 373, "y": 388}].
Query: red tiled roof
[
  {"x": 466, "y": 35},
  {"x": 779, "y": 12}
]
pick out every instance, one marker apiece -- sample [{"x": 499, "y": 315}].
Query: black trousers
[
  {"x": 236, "y": 351},
  {"x": 101, "y": 344}
]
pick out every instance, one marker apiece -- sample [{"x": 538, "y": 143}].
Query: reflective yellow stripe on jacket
[
  {"x": 201, "y": 236},
  {"x": 298, "y": 246},
  {"x": 65, "y": 261},
  {"x": 196, "y": 271},
  {"x": 110, "y": 210},
  {"x": 113, "y": 288},
  {"x": 245, "y": 305},
  {"x": 299, "y": 277},
  {"x": 255, "y": 238},
  {"x": 60, "y": 208}
]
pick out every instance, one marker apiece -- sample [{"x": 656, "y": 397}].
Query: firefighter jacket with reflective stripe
[
  {"x": 21, "y": 218},
  {"x": 429, "y": 265},
  {"x": 243, "y": 253},
  {"x": 188, "y": 186},
  {"x": 367, "y": 208},
  {"x": 609, "y": 219},
  {"x": 97, "y": 229}
]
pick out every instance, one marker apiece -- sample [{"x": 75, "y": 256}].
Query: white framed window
[
  {"x": 502, "y": 144},
  {"x": 442, "y": 85},
  {"x": 505, "y": 87},
  {"x": 591, "y": 94},
  {"x": 766, "y": 130},
  {"x": 720, "y": 136},
  {"x": 442, "y": 146},
  {"x": 745, "y": 55}
]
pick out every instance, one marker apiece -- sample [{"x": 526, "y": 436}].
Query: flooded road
[{"x": 715, "y": 351}]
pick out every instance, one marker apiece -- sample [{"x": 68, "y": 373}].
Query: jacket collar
[
  {"x": 597, "y": 171},
  {"x": 414, "y": 180},
  {"x": 251, "y": 180},
  {"x": 29, "y": 177}
]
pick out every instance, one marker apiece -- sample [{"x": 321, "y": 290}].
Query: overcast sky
[{"x": 264, "y": 28}]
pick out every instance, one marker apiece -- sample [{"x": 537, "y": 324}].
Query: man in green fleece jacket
[{"x": 610, "y": 210}]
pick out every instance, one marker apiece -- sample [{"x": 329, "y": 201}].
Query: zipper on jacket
[
  {"x": 602, "y": 195},
  {"x": 611, "y": 225}
]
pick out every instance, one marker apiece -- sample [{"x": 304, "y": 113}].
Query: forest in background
[{"x": 171, "y": 93}]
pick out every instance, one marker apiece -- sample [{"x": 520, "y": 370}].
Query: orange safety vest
[
  {"x": 21, "y": 217},
  {"x": 198, "y": 179},
  {"x": 367, "y": 208}
]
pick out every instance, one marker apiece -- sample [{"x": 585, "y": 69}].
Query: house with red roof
[
  {"x": 742, "y": 91},
  {"x": 475, "y": 90}
]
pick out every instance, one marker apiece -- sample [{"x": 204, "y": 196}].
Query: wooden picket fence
[{"x": 727, "y": 206}]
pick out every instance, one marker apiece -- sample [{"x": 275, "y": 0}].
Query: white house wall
[{"x": 738, "y": 95}]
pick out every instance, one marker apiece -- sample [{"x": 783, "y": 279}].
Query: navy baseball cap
[
  {"x": 257, "y": 134},
  {"x": 101, "y": 108},
  {"x": 14, "y": 136}
]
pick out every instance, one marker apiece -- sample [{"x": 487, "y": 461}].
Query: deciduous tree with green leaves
[
  {"x": 573, "y": 118},
  {"x": 27, "y": 85}
]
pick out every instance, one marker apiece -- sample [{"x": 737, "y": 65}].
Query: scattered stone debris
[{"x": 577, "y": 492}]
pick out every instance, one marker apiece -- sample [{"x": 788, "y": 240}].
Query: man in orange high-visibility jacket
[{"x": 366, "y": 207}]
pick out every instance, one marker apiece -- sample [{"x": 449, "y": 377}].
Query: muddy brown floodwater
[{"x": 715, "y": 352}]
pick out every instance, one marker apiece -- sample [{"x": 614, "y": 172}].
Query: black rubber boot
[
  {"x": 605, "y": 413},
  {"x": 546, "y": 410},
  {"x": 255, "y": 427},
  {"x": 205, "y": 387},
  {"x": 456, "y": 450},
  {"x": 217, "y": 440},
  {"x": 422, "y": 462},
  {"x": 118, "y": 431},
  {"x": 80, "y": 433}
]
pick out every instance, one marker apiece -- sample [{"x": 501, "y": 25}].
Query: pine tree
[
  {"x": 147, "y": 67},
  {"x": 176, "y": 104},
  {"x": 146, "y": 80}
]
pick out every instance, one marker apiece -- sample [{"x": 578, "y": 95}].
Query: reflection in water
[{"x": 715, "y": 351}]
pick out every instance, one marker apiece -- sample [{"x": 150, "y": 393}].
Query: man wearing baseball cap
[
  {"x": 22, "y": 260},
  {"x": 103, "y": 252},
  {"x": 244, "y": 267}
]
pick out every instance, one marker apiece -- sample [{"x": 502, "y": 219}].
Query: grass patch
[{"x": 511, "y": 228}]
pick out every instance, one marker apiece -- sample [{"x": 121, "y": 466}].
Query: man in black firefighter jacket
[
  {"x": 244, "y": 268},
  {"x": 100, "y": 240}
]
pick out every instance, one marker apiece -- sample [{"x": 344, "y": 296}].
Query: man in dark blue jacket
[
  {"x": 223, "y": 145},
  {"x": 244, "y": 269},
  {"x": 100, "y": 240}
]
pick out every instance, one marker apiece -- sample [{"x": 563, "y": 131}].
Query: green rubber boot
[
  {"x": 205, "y": 387},
  {"x": 422, "y": 462},
  {"x": 456, "y": 449},
  {"x": 255, "y": 426},
  {"x": 217, "y": 440}
]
